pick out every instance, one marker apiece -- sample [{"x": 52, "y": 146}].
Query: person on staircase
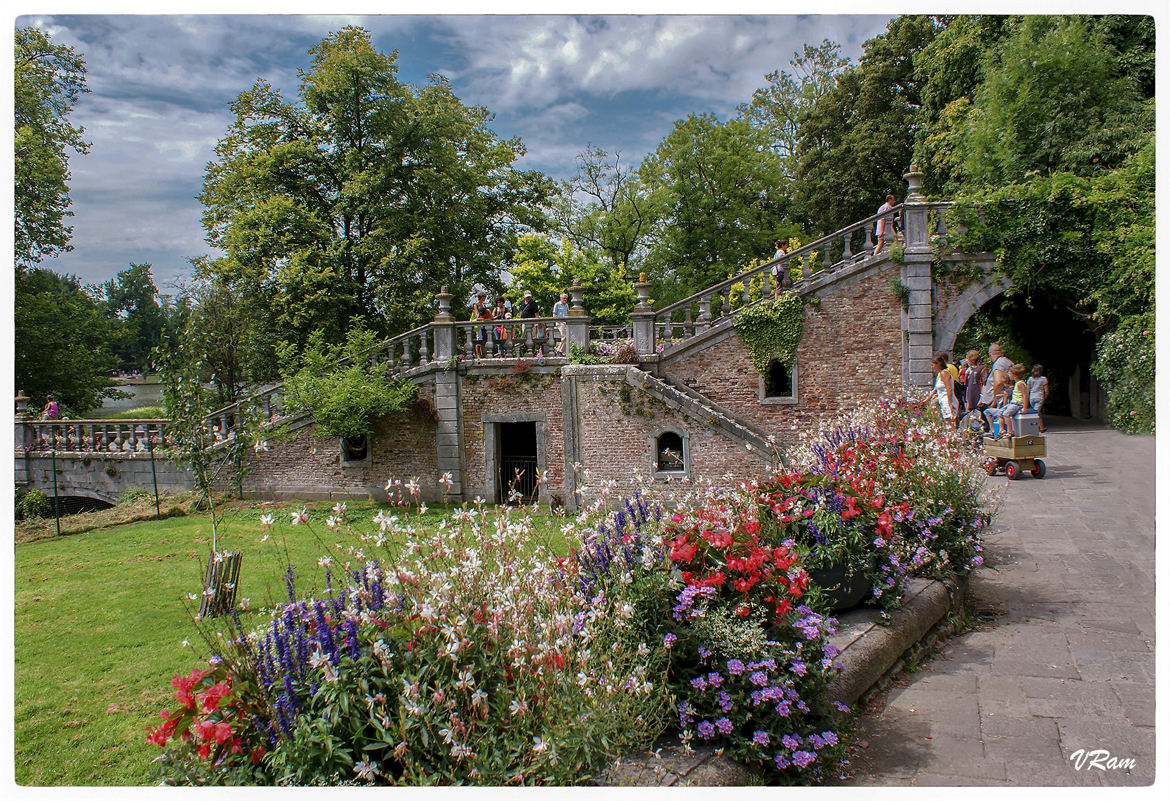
[{"x": 883, "y": 229}]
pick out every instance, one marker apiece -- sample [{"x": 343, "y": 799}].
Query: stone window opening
[
  {"x": 670, "y": 451},
  {"x": 356, "y": 449},
  {"x": 778, "y": 385}
]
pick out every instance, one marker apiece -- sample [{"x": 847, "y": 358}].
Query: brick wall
[
  {"x": 851, "y": 353},
  {"x": 495, "y": 392},
  {"x": 619, "y": 424},
  {"x": 309, "y": 466}
]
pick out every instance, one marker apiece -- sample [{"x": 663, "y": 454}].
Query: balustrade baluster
[
  {"x": 726, "y": 293},
  {"x": 688, "y": 326},
  {"x": 407, "y": 356},
  {"x": 868, "y": 239},
  {"x": 825, "y": 263},
  {"x": 847, "y": 251},
  {"x": 424, "y": 352},
  {"x": 666, "y": 333}
]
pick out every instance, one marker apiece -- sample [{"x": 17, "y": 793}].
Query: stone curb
[{"x": 871, "y": 654}]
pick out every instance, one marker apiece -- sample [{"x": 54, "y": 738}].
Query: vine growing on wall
[{"x": 772, "y": 330}]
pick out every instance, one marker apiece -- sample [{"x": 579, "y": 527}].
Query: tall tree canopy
[
  {"x": 48, "y": 79},
  {"x": 720, "y": 191},
  {"x": 131, "y": 301},
  {"x": 62, "y": 341},
  {"x": 360, "y": 200}
]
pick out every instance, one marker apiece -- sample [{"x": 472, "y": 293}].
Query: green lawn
[{"x": 100, "y": 618}]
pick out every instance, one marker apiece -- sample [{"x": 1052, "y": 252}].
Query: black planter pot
[{"x": 842, "y": 589}]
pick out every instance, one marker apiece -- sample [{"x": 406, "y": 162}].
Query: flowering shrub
[
  {"x": 906, "y": 487},
  {"x": 215, "y": 735},
  {"x": 474, "y": 654}
]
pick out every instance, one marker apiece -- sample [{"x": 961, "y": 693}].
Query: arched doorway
[{"x": 1041, "y": 331}]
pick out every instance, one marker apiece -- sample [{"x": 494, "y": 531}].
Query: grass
[
  {"x": 100, "y": 618},
  {"x": 140, "y": 412}
]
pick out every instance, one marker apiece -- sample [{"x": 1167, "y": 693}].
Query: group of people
[
  {"x": 501, "y": 332},
  {"x": 1000, "y": 390}
]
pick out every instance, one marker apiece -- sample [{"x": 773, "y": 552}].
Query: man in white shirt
[
  {"x": 998, "y": 362},
  {"x": 884, "y": 228},
  {"x": 560, "y": 310}
]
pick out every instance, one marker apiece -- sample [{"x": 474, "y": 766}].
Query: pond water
[{"x": 144, "y": 394}]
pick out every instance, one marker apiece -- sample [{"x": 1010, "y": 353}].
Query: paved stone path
[{"x": 1066, "y": 661}]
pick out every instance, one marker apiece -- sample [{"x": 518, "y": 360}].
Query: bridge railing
[
  {"x": 94, "y": 436},
  {"x": 527, "y": 336}
]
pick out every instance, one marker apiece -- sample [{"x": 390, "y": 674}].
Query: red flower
[{"x": 784, "y": 607}]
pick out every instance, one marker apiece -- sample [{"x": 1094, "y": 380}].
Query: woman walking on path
[{"x": 944, "y": 387}]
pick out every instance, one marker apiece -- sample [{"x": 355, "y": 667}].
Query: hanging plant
[{"x": 772, "y": 330}]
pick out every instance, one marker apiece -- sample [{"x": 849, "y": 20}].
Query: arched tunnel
[{"x": 1039, "y": 331}]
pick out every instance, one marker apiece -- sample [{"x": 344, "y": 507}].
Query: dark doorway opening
[
  {"x": 778, "y": 381},
  {"x": 1045, "y": 332},
  {"x": 518, "y": 464}
]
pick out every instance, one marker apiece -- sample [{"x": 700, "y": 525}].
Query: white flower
[
  {"x": 339, "y": 509},
  {"x": 332, "y": 522},
  {"x": 267, "y": 520},
  {"x": 517, "y": 708},
  {"x": 325, "y": 561},
  {"x": 260, "y": 446},
  {"x": 192, "y": 596},
  {"x": 300, "y": 517},
  {"x": 539, "y": 745},
  {"x": 245, "y": 603},
  {"x": 412, "y": 487},
  {"x": 366, "y": 769},
  {"x": 478, "y": 698}
]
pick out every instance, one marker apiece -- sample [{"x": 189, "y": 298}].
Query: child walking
[{"x": 1038, "y": 392}]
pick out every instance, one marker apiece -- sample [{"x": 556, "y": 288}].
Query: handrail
[{"x": 801, "y": 251}]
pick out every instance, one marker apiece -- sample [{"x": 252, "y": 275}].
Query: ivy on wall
[{"x": 772, "y": 330}]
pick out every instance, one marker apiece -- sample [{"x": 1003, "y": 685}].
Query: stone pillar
[
  {"x": 642, "y": 319},
  {"x": 23, "y": 435},
  {"x": 916, "y": 269},
  {"x": 578, "y": 320},
  {"x": 444, "y": 328}
]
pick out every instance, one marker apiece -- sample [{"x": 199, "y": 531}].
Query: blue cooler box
[{"x": 1029, "y": 425}]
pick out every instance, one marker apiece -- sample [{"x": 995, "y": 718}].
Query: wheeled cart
[{"x": 1015, "y": 454}]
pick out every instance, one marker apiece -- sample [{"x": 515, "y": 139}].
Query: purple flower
[
  {"x": 668, "y": 640},
  {"x": 829, "y": 737},
  {"x": 840, "y": 706},
  {"x": 781, "y": 762},
  {"x": 706, "y": 730},
  {"x": 699, "y": 683},
  {"x": 791, "y": 741},
  {"x": 714, "y": 679},
  {"x": 802, "y": 759},
  {"x": 817, "y": 742},
  {"x": 759, "y": 678},
  {"x": 725, "y": 701},
  {"x": 724, "y": 726},
  {"x": 799, "y": 668},
  {"x": 704, "y": 652},
  {"x": 761, "y": 738},
  {"x": 735, "y": 667},
  {"x": 784, "y": 708}
]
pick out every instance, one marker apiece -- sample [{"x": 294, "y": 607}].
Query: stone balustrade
[{"x": 91, "y": 436}]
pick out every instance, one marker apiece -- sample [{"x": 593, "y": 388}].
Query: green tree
[
  {"x": 856, "y": 140},
  {"x": 62, "y": 342},
  {"x": 721, "y": 191},
  {"x": 547, "y": 271},
  {"x": 1052, "y": 100},
  {"x": 363, "y": 198},
  {"x": 48, "y": 80},
  {"x": 131, "y": 299},
  {"x": 779, "y": 106},
  {"x": 605, "y": 208}
]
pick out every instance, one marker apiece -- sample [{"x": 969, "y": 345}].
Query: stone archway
[{"x": 958, "y": 309}]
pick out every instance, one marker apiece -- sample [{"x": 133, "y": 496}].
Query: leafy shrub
[
  {"x": 32, "y": 504},
  {"x": 1125, "y": 367},
  {"x": 340, "y": 388},
  {"x": 580, "y": 355}
]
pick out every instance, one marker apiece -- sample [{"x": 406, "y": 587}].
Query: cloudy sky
[{"x": 160, "y": 86}]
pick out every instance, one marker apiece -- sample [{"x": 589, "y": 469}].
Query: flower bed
[{"x": 473, "y": 654}]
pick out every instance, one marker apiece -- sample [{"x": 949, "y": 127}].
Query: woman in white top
[{"x": 944, "y": 387}]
